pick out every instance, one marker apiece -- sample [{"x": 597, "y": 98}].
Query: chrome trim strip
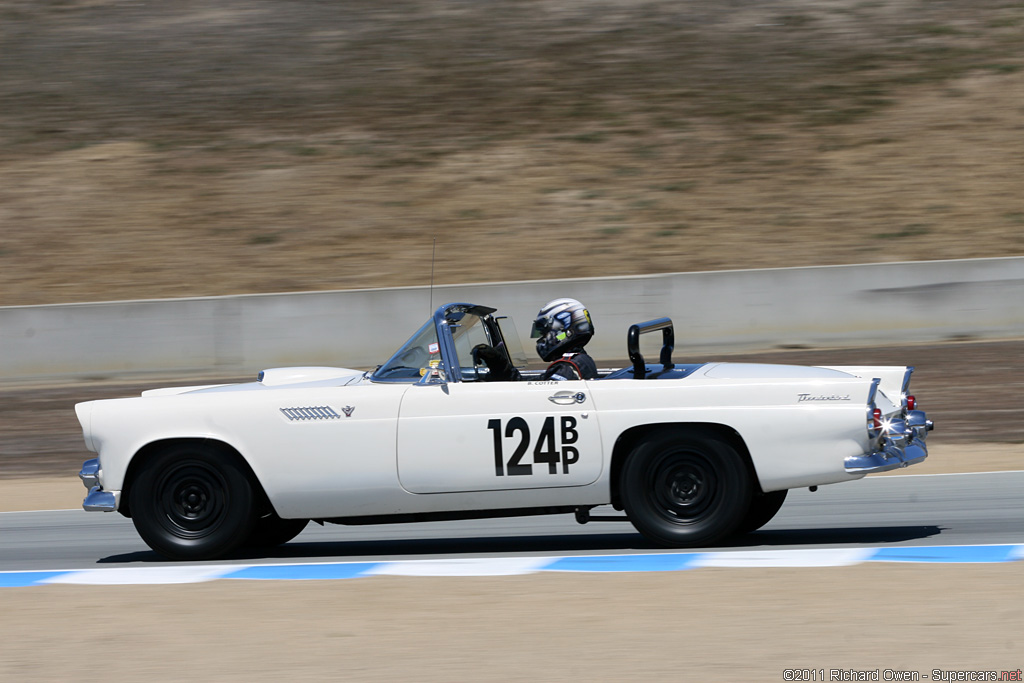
[
  {"x": 101, "y": 501},
  {"x": 90, "y": 473}
]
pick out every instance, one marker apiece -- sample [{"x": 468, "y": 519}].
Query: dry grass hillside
[{"x": 225, "y": 146}]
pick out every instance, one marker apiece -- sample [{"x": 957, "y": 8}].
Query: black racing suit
[{"x": 573, "y": 365}]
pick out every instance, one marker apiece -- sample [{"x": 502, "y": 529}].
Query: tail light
[
  {"x": 876, "y": 419},
  {"x": 908, "y": 400}
]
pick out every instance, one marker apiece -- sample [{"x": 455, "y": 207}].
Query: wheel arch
[
  {"x": 221, "y": 448},
  {"x": 634, "y": 436}
]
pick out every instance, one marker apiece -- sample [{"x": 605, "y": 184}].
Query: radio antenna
[{"x": 433, "y": 252}]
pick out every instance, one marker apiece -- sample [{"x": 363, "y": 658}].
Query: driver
[{"x": 562, "y": 328}]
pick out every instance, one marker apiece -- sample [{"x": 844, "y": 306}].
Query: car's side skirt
[{"x": 449, "y": 516}]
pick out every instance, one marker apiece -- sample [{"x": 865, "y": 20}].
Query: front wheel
[
  {"x": 682, "y": 489},
  {"x": 192, "y": 502}
]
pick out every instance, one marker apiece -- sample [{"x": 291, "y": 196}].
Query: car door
[{"x": 485, "y": 436}]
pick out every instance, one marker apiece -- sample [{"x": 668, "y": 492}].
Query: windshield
[
  {"x": 467, "y": 333},
  {"x": 512, "y": 343},
  {"x": 422, "y": 352},
  {"x": 415, "y": 355}
]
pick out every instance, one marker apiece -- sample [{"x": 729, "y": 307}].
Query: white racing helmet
[{"x": 561, "y": 325}]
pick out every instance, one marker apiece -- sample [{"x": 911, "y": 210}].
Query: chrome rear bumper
[
  {"x": 97, "y": 499},
  {"x": 902, "y": 444}
]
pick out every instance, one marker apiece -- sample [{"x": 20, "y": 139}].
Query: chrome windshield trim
[{"x": 444, "y": 317}]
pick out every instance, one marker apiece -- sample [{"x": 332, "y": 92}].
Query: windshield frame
[{"x": 447, "y": 368}]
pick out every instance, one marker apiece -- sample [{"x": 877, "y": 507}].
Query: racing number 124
[{"x": 546, "y": 450}]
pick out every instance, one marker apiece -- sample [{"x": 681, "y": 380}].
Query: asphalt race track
[{"x": 881, "y": 512}]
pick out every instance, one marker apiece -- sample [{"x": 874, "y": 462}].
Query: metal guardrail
[{"x": 740, "y": 310}]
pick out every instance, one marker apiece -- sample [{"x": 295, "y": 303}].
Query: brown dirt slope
[{"x": 170, "y": 149}]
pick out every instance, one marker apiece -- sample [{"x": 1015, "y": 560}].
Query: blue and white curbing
[{"x": 509, "y": 566}]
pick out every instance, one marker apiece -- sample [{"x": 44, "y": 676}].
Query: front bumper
[
  {"x": 901, "y": 444},
  {"x": 97, "y": 499}
]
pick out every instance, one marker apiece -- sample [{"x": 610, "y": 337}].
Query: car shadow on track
[
  {"x": 561, "y": 544},
  {"x": 849, "y": 536}
]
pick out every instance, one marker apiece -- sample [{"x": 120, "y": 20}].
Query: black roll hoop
[{"x": 668, "y": 343}]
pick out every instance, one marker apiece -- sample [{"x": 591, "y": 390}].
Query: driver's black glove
[{"x": 498, "y": 365}]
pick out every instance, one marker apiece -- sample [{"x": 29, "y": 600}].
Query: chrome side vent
[{"x": 310, "y": 413}]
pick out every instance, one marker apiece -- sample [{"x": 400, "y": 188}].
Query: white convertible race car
[{"x": 692, "y": 453}]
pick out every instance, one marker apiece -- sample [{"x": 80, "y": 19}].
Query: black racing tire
[
  {"x": 192, "y": 502},
  {"x": 683, "y": 489},
  {"x": 763, "y": 507},
  {"x": 270, "y": 531}
]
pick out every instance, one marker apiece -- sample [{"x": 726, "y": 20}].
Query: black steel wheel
[
  {"x": 270, "y": 531},
  {"x": 683, "y": 489},
  {"x": 763, "y": 507},
  {"x": 192, "y": 502}
]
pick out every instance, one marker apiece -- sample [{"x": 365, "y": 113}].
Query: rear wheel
[
  {"x": 192, "y": 502},
  {"x": 763, "y": 507},
  {"x": 683, "y": 489},
  {"x": 270, "y": 531}
]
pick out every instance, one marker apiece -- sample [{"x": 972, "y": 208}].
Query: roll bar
[{"x": 668, "y": 343}]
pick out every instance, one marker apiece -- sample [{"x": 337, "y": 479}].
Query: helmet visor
[{"x": 541, "y": 326}]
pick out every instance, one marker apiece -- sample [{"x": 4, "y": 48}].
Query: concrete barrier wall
[{"x": 713, "y": 311}]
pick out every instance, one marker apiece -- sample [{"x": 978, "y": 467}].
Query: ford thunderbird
[{"x": 692, "y": 453}]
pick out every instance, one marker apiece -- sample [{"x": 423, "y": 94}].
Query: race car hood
[{"x": 273, "y": 378}]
